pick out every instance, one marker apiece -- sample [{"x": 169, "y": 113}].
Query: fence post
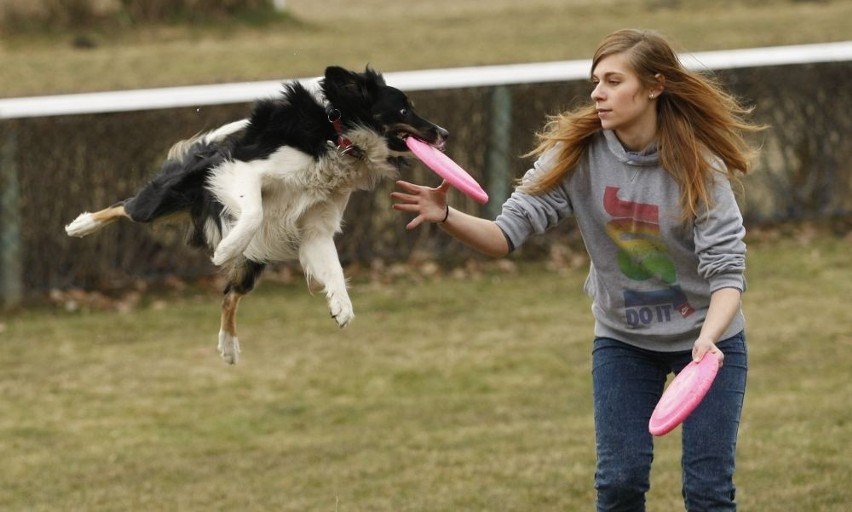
[
  {"x": 499, "y": 141},
  {"x": 11, "y": 282}
]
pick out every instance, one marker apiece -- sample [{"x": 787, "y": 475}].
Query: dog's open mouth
[{"x": 432, "y": 135}]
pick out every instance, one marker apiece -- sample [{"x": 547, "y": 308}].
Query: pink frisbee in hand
[
  {"x": 446, "y": 168},
  {"x": 683, "y": 395}
]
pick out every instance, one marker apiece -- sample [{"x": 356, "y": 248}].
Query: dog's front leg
[
  {"x": 319, "y": 259},
  {"x": 245, "y": 202}
]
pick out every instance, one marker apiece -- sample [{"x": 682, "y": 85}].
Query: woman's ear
[{"x": 658, "y": 88}]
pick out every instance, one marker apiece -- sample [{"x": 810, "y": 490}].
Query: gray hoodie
[{"x": 651, "y": 275}]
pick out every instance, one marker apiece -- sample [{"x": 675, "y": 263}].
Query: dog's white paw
[
  {"x": 341, "y": 311},
  {"x": 222, "y": 255},
  {"x": 228, "y": 250},
  {"x": 84, "y": 224},
  {"x": 229, "y": 347}
]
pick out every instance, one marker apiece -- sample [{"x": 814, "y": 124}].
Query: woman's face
[{"x": 623, "y": 103}]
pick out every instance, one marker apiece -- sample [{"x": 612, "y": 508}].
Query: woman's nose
[{"x": 596, "y": 93}]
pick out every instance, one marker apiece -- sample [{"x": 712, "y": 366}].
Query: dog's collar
[{"x": 344, "y": 145}]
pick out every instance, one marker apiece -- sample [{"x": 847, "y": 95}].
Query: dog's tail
[{"x": 182, "y": 148}]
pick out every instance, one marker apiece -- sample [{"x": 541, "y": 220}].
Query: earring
[{"x": 650, "y": 97}]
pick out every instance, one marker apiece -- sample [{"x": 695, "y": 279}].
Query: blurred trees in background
[{"x": 23, "y": 15}]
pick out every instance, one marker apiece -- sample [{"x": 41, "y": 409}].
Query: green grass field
[{"x": 445, "y": 394}]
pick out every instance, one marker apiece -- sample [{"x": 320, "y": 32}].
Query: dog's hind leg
[
  {"x": 241, "y": 281},
  {"x": 162, "y": 197},
  {"x": 87, "y": 223},
  {"x": 175, "y": 189},
  {"x": 229, "y": 344}
]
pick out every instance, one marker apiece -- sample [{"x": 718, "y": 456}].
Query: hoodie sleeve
[
  {"x": 525, "y": 214},
  {"x": 718, "y": 235}
]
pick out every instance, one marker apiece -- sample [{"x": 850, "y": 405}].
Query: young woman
[{"x": 646, "y": 170}]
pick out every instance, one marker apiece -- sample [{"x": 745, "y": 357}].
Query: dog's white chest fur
[{"x": 271, "y": 205}]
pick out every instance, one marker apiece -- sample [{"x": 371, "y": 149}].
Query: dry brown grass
[{"x": 446, "y": 394}]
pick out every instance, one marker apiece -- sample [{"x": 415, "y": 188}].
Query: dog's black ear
[
  {"x": 374, "y": 76},
  {"x": 339, "y": 75},
  {"x": 339, "y": 81}
]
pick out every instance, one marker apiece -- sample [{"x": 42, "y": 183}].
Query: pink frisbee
[
  {"x": 446, "y": 168},
  {"x": 683, "y": 395}
]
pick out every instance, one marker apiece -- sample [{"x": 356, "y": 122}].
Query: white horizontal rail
[{"x": 197, "y": 96}]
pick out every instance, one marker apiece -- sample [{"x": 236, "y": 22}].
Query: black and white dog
[{"x": 274, "y": 187}]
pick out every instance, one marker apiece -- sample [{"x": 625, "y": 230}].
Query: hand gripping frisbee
[
  {"x": 683, "y": 395},
  {"x": 446, "y": 168}
]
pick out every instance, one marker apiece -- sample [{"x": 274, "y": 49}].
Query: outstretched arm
[
  {"x": 430, "y": 205},
  {"x": 724, "y": 304}
]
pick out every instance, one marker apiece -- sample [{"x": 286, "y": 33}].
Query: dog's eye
[{"x": 403, "y": 112}]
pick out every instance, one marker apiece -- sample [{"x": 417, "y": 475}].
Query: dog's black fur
[{"x": 274, "y": 187}]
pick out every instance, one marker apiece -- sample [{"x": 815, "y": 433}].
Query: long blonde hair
[{"x": 695, "y": 119}]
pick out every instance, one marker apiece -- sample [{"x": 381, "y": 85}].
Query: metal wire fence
[{"x": 63, "y": 165}]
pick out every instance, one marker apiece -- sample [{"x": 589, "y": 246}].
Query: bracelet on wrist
[{"x": 446, "y": 215}]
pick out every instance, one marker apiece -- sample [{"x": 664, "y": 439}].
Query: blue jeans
[{"x": 628, "y": 382}]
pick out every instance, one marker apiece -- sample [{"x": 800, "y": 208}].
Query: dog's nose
[{"x": 443, "y": 134}]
